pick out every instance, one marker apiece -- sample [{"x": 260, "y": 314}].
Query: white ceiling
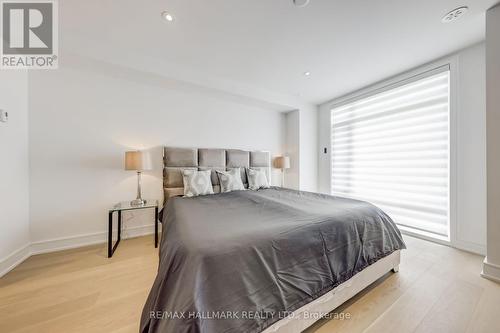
[{"x": 265, "y": 45}]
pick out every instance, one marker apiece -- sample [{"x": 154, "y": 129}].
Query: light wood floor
[{"x": 438, "y": 289}]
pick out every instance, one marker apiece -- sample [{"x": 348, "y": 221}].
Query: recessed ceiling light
[
  {"x": 300, "y": 3},
  {"x": 455, "y": 14},
  {"x": 167, "y": 16},
  {"x": 307, "y": 73}
]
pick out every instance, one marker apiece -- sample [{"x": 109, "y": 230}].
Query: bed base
[{"x": 307, "y": 315}]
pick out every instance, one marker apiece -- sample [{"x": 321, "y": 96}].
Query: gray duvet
[{"x": 240, "y": 261}]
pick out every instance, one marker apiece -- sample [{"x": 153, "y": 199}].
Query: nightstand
[{"x": 124, "y": 206}]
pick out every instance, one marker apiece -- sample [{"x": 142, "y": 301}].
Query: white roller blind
[{"x": 392, "y": 149}]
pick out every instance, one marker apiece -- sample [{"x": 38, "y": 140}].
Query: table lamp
[
  {"x": 283, "y": 163},
  {"x": 138, "y": 161}
]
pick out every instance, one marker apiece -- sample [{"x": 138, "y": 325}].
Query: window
[{"x": 392, "y": 148}]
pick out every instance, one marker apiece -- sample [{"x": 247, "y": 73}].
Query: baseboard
[
  {"x": 60, "y": 244},
  {"x": 425, "y": 236},
  {"x": 457, "y": 244},
  {"x": 470, "y": 247},
  {"x": 12, "y": 261},
  {"x": 66, "y": 243},
  {"x": 490, "y": 271},
  {"x": 72, "y": 242}
]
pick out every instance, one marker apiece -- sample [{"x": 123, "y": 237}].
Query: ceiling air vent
[
  {"x": 300, "y": 3},
  {"x": 455, "y": 14}
]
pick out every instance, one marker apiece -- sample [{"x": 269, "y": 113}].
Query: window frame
[{"x": 448, "y": 63}]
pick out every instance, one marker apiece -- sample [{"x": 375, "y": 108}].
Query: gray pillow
[
  {"x": 230, "y": 180},
  {"x": 257, "y": 179},
  {"x": 197, "y": 183}
]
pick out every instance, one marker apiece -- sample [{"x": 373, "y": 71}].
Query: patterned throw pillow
[
  {"x": 197, "y": 183},
  {"x": 257, "y": 179},
  {"x": 230, "y": 180}
]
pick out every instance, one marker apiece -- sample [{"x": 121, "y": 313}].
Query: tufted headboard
[{"x": 175, "y": 160}]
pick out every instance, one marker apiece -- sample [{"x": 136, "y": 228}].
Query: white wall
[
  {"x": 301, "y": 144},
  {"x": 324, "y": 135},
  {"x": 491, "y": 267},
  {"x": 292, "y": 149},
  {"x": 308, "y": 129},
  {"x": 14, "y": 166},
  {"x": 471, "y": 150},
  {"x": 469, "y": 67},
  {"x": 83, "y": 118}
]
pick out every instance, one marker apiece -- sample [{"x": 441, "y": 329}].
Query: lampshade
[
  {"x": 282, "y": 162},
  {"x": 137, "y": 160}
]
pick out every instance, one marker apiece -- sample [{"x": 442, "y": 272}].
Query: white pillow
[
  {"x": 230, "y": 180},
  {"x": 197, "y": 183},
  {"x": 257, "y": 179}
]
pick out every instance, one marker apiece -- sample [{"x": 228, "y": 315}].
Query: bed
[{"x": 272, "y": 260}]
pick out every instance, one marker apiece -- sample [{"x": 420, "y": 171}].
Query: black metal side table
[{"x": 124, "y": 206}]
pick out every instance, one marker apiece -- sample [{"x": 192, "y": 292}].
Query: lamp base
[{"x": 137, "y": 202}]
